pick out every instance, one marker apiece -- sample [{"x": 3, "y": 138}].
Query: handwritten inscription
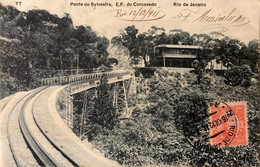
[
  {"x": 139, "y": 14},
  {"x": 221, "y": 21}
]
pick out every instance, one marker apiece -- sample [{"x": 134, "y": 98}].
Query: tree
[
  {"x": 130, "y": 41},
  {"x": 35, "y": 43},
  {"x": 253, "y": 54},
  {"x": 146, "y": 46},
  {"x": 239, "y": 75},
  {"x": 104, "y": 115},
  {"x": 199, "y": 68},
  {"x": 231, "y": 52},
  {"x": 177, "y": 36},
  {"x": 141, "y": 45}
]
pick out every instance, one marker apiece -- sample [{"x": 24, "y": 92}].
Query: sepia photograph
[{"x": 129, "y": 83}]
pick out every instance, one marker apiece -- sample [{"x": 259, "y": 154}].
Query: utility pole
[{"x": 77, "y": 64}]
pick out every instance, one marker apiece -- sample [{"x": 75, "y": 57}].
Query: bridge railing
[
  {"x": 68, "y": 72},
  {"x": 79, "y": 78}
]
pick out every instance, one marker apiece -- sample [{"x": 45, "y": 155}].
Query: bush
[
  {"x": 104, "y": 115},
  {"x": 9, "y": 85},
  {"x": 239, "y": 75},
  {"x": 154, "y": 135}
]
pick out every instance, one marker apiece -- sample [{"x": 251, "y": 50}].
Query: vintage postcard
[{"x": 132, "y": 83}]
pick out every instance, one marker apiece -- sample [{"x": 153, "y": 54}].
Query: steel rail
[
  {"x": 44, "y": 157},
  {"x": 39, "y": 153},
  {"x": 11, "y": 145}
]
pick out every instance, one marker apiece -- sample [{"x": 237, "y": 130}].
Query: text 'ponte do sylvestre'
[{"x": 93, "y": 4}]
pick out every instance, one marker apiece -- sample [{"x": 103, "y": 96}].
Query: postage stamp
[
  {"x": 224, "y": 125},
  {"x": 228, "y": 124}
]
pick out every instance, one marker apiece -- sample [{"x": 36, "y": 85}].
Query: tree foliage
[
  {"x": 104, "y": 115},
  {"x": 154, "y": 136},
  {"x": 230, "y": 52},
  {"x": 239, "y": 75},
  {"x": 35, "y": 43}
]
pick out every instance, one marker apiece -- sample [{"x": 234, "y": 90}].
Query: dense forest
[
  {"x": 228, "y": 51},
  {"x": 154, "y": 135},
  {"x": 36, "y": 43}
]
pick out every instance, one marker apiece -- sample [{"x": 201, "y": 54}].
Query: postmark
[
  {"x": 224, "y": 125},
  {"x": 228, "y": 126}
]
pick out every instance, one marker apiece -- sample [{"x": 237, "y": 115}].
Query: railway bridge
[{"x": 34, "y": 133}]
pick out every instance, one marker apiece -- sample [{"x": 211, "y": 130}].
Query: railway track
[
  {"x": 27, "y": 146},
  {"x": 34, "y": 135},
  {"x": 42, "y": 149}
]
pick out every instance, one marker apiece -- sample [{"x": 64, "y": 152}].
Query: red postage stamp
[{"x": 228, "y": 124}]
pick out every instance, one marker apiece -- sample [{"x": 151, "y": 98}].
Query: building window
[
  {"x": 174, "y": 51},
  {"x": 179, "y": 63}
]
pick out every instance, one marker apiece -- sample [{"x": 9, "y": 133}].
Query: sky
[{"x": 237, "y": 19}]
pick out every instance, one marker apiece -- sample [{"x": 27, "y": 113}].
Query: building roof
[
  {"x": 179, "y": 46},
  {"x": 178, "y": 56}
]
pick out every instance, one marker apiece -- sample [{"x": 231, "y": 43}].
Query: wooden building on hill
[{"x": 177, "y": 57}]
